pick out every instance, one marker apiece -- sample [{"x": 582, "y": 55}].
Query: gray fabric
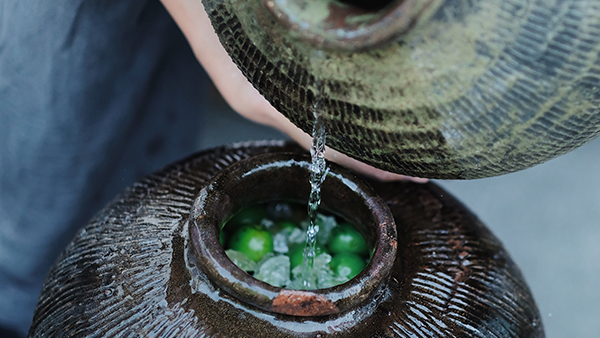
[{"x": 93, "y": 95}]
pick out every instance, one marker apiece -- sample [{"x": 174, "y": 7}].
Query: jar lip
[
  {"x": 347, "y": 27},
  {"x": 278, "y": 176}
]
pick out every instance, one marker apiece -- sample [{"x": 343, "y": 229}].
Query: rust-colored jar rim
[{"x": 284, "y": 176}]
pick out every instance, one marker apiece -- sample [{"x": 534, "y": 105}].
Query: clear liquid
[{"x": 318, "y": 171}]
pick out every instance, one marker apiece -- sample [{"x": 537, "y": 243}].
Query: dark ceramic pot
[{"x": 150, "y": 264}]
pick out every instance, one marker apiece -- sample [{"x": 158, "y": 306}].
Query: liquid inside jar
[{"x": 268, "y": 242}]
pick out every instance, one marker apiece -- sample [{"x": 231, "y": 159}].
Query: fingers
[{"x": 280, "y": 122}]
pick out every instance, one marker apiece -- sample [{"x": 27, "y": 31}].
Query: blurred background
[{"x": 548, "y": 218}]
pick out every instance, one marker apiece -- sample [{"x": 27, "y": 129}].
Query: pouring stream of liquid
[{"x": 317, "y": 176}]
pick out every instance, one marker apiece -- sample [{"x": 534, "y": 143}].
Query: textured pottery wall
[{"x": 130, "y": 271}]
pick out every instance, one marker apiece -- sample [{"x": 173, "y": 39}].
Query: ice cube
[
  {"x": 303, "y": 279},
  {"x": 297, "y": 236},
  {"x": 319, "y": 277},
  {"x": 322, "y": 271},
  {"x": 326, "y": 224},
  {"x": 275, "y": 271},
  {"x": 267, "y": 223},
  {"x": 241, "y": 260},
  {"x": 280, "y": 242}
]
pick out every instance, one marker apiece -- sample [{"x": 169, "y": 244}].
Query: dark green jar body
[{"x": 145, "y": 266}]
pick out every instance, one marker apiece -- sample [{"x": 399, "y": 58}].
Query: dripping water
[{"x": 318, "y": 172}]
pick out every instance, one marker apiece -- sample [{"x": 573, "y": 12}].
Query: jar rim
[
  {"x": 277, "y": 176},
  {"x": 341, "y": 26}
]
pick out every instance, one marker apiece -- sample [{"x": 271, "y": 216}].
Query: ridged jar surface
[
  {"x": 131, "y": 273},
  {"x": 475, "y": 89}
]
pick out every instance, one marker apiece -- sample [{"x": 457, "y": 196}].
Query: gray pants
[{"x": 93, "y": 95}]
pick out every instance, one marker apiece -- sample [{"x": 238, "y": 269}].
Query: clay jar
[
  {"x": 150, "y": 264},
  {"x": 285, "y": 176}
]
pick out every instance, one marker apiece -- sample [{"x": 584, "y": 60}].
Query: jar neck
[
  {"x": 284, "y": 176},
  {"x": 350, "y": 25}
]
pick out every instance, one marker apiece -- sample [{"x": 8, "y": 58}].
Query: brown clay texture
[
  {"x": 129, "y": 272},
  {"x": 474, "y": 89}
]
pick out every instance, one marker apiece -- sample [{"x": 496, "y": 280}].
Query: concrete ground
[{"x": 548, "y": 218}]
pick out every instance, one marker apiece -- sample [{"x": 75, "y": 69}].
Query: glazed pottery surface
[
  {"x": 135, "y": 271},
  {"x": 426, "y": 88}
]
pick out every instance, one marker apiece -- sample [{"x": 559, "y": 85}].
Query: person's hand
[{"x": 239, "y": 93}]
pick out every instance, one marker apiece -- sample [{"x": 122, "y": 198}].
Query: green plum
[
  {"x": 345, "y": 238},
  {"x": 347, "y": 264},
  {"x": 252, "y": 241}
]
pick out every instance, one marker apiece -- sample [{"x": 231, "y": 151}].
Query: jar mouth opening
[
  {"x": 350, "y": 25},
  {"x": 280, "y": 176}
]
